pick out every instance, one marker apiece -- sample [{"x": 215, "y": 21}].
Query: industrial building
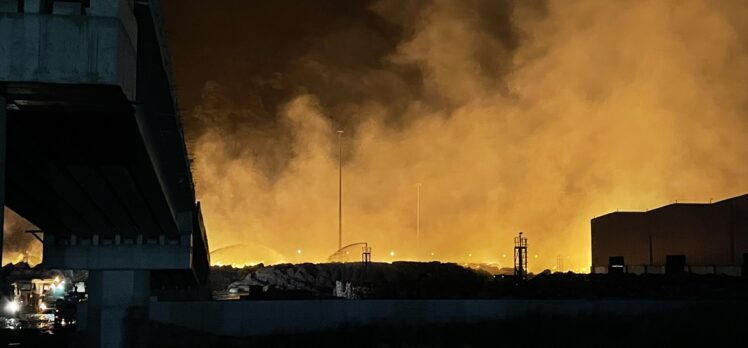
[{"x": 681, "y": 237}]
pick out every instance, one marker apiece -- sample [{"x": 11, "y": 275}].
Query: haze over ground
[{"x": 515, "y": 116}]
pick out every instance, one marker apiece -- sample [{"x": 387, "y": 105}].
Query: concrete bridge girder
[
  {"x": 119, "y": 254},
  {"x": 115, "y": 195},
  {"x": 3, "y": 138},
  {"x": 97, "y": 49}
]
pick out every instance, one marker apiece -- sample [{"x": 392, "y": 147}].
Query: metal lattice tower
[
  {"x": 366, "y": 254},
  {"x": 520, "y": 257}
]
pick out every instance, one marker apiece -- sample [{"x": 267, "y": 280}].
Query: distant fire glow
[
  {"x": 514, "y": 116},
  {"x": 534, "y": 117}
]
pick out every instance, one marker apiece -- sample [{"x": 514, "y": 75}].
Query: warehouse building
[{"x": 680, "y": 237}]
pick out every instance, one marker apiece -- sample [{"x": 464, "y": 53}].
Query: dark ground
[
  {"x": 434, "y": 280},
  {"x": 28, "y": 338},
  {"x": 698, "y": 327},
  {"x": 718, "y": 316},
  {"x": 701, "y": 326}
]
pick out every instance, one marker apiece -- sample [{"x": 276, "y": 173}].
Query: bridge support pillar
[
  {"x": 117, "y": 308},
  {"x": 3, "y": 141}
]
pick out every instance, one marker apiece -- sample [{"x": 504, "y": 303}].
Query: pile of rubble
[
  {"x": 304, "y": 277},
  {"x": 399, "y": 279}
]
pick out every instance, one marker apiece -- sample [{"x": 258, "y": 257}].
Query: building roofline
[
  {"x": 627, "y": 212},
  {"x": 736, "y": 198},
  {"x": 740, "y": 197}
]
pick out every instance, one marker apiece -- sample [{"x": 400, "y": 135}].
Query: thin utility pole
[
  {"x": 418, "y": 218},
  {"x": 340, "y": 189}
]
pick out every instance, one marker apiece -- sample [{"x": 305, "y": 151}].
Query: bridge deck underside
[{"x": 77, "y": 165}]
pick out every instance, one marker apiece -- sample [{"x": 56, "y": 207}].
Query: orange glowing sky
[{"x": 514, "y": 116}]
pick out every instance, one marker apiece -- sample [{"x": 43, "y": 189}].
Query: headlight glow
[{"x": 12, "y": 307}]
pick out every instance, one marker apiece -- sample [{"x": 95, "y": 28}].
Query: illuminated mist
[
  {"x": 17, "y": 243},
  {"x": 515, "y": 116}
]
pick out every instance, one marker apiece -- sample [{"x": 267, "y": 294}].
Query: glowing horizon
[
  {"x": 511, "y": 116},
  {"x": 582, "y": 109}
]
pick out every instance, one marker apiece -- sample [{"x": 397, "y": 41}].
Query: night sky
[
  {"x": 515, "y": 116},
  {"x": 531, "y": 116}
]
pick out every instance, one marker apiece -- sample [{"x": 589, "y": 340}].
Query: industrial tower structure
[{"x": 520, "y": 257}]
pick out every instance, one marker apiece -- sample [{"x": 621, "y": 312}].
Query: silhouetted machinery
[
  {"x": 520, "y": 257},
  {"x": 366, "y": 254},
  {"x": 346, "y": 253}
]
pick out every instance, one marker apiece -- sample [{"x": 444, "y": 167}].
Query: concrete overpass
[{"x": 92, "y": 152}]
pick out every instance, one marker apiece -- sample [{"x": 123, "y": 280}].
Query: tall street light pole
[
  {"x": 340, "y": 189},
  {"x": 418, "y": 218}
]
